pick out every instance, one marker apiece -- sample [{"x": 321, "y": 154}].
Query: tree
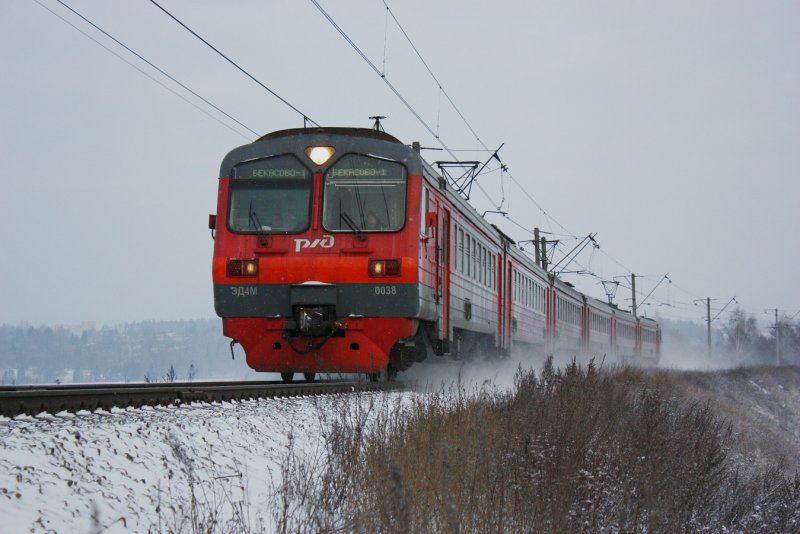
[
  {"x": 744, "y": 340},
  {"x": 171, "y": 375}
]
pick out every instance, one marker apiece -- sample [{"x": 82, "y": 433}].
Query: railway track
[{"x": 32, "y": 400}]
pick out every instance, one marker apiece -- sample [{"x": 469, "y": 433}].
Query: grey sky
[{"x": 672, "y": 129}]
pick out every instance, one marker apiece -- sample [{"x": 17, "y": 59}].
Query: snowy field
[
  {"x": 178, "y": 468},
  {"x": 138, "y": 469}
]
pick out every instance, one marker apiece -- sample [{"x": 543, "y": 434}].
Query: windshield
[
  {"x": 270, "y": 195},
  {"x": 364, "y": 194}
]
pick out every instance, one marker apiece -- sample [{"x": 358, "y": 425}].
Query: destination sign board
[
  {"x": 281, "y": 167},
  {"x": 277, "y": 173},
  {"x": 338, "y": 172},
  {"x": 357, "y": 166}
]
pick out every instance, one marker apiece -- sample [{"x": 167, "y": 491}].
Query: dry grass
[{"x": 577, "y": 450}]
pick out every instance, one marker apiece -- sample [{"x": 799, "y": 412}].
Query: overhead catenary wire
[
  {"x": 438, "y": 83},
  {"x": 306, "y": 118},
  {"x": 382, "y": 74},
  {"x": 378, "y": 72},
  {"x": 159, "y": 82},
  {"x": 129, "y": 49},
  {"x": 430, "y": 130},
  {"x": 521, "y": 226},
  {"x": 391, "y": 86},
  {"x": 463, "y": 118}
]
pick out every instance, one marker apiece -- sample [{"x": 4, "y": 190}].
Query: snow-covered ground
[
  {"x": 137, "y": 469},
  {"x": 151, "y": 469}
]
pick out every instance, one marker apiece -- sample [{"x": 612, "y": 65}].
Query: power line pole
[
  {"x": 544, "y": 254},
  {"x": 708, "y": 321},
  {"x": 633, "y": 294},
  {"x": 708, "y": 325},
  {"x": 777, "y": 328}
]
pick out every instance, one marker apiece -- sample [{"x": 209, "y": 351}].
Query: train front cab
[{"x": 301, "y": 279}]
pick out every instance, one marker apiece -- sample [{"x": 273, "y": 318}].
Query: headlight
[{"x": 320, "y": 154}]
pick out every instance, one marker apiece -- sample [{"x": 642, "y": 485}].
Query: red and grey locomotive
[{"x": 342, "y": 250}]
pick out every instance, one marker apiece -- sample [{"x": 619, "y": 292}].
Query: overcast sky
[{"x": 671, "y": 129}]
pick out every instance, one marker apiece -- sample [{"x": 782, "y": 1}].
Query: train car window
[
  {"x": 461, "y": 250},
  {"x": 529, "y": 293},
  {"x": 478, "y": 251},
  {"x": 481, "y": 272},
  {"x": 514, "y": 286},
  {"x": 486, "y": 266},
  {"x": 271, "y": 195},
  {"x": 491, "y": 271},
  {"x": 474, "y": 259},
  {"x": 467, "y": 255},
  {"x": 364, "y": 194}
]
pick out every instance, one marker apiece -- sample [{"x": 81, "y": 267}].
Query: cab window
[
  {"x": 271, "y": 195},
  {"x": 364, "y": 194}
]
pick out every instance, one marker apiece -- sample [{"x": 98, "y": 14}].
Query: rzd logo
[{"x": 325, "y": 242}]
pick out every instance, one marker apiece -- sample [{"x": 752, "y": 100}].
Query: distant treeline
[
  {"x": 737, "y": 341},
  {"x": 152, "y": 350},
  {"x": 180, "y": 350}
]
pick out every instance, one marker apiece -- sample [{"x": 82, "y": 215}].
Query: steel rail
[{"x": 55, "y": 398}]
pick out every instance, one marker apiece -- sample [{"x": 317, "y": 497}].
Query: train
[{"x": 341, "y": 250}]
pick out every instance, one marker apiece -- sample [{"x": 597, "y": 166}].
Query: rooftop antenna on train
[{"x": 377, "y": 124}]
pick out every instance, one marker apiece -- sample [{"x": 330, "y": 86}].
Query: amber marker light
[
  {"x": 383, "y": 268},
  {"x": 242, "y": 268},
  {"x": 320, "y": 154}
]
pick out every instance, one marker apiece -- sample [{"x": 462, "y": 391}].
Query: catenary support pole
[
  {"x": 708, "y": 325},
  {"x": 777, "y": 339}
]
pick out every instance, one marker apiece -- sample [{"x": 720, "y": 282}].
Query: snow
[
  {"x": 137, "y": 469},
  {"x": 140, "y": 469}
]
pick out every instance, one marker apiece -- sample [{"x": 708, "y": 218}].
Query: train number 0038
[{"x": 381, "y": 291}]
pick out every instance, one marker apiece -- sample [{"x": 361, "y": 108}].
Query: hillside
[{"x": 763, "y": 406}]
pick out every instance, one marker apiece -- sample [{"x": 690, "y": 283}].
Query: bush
[{"x": 577, "y": 450}]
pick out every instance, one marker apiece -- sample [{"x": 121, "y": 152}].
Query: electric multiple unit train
[{"x": 340, "y": 250}]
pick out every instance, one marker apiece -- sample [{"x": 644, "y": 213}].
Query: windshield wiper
[
  {"x": 343, "y": 216},
  {"x": 262, "y": 238}
]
